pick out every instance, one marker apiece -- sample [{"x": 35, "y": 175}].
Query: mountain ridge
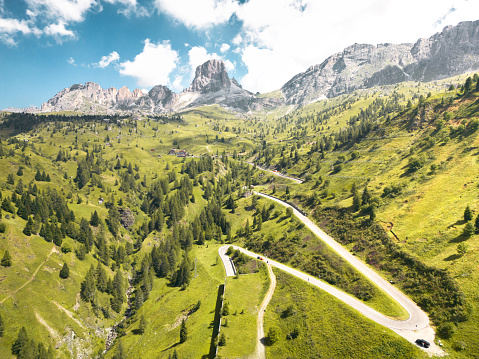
[{"x": 453, "y": 51}]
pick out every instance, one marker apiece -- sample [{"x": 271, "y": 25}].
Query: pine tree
[
  {"x": 356, "y": 201},
  {"x": 477, "y": 224},
  {"x": 222, "y": 340},
  {"x": 94, "y": 219},
  {"x": 468, "y": 229},
  {"x": 467, "y": 214},
  {"x": 183, "y": 332},
  {"x": 7, "y": 259},
  {"x": 118, "y": 292},
  {"x": 142, "y": 327},
  {"x": 87, "y": 290},
  {"x": 139, "y": 298},
  {"x": 21, "y": 342},
  {"x": 366, "y": 197},
  {"x": 65, "y": 271},
  {"x": 28, "y": 227},
  {"x": 2, "y": 326},
  {"x": 120, "y": 352},
  {"x": 101, "y": 278}
]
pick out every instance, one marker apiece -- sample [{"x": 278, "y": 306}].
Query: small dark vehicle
[{"x": 423, "y": 343}]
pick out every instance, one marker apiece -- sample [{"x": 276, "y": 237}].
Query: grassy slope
[
  {"x": 167, "y": 306},
  {"x": 327, "y": 327},
  {"x": 278, "y": 227},
  {"x": 427, "y": 215},
  {"x": 244, "y": 296}
]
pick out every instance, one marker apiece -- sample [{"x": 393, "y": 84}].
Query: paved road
[
  {"x": 416, "y": 326},
  {"x": 297, "y": 180}
]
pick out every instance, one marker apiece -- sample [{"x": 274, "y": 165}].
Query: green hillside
[{"x": 389, "y": 172}]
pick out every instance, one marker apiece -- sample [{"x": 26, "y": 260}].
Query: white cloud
[
  {"x": 153, "y": 65},
  {"x": 129, "y": 7},
  {"x": 66, "y": 10},
  {"x": 198, "y": 14},
  {"x": 71, "y": 61},
  {"x": 224, "y": 47},
  {"x": 237, "y": 40},
  {"x": 176, "y": 85},
  {"x": 280, "y": 38},
  {"x": 11, "y": 26},
  {"x": 58, "y": 30},
  {"x": 229, "y": 66},
  {"x": 107, "y": 60}
]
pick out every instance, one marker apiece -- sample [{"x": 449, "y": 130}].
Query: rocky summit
[
  {"x": 211, "y": 85},
  {"x": 451, "y": 52}
]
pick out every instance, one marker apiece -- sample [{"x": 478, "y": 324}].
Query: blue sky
[{"x": 47, "y": 45}]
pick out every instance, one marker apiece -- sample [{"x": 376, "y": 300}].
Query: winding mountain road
[
  {"x": 276, "y": 173},
  {"x": 416, "y": 326}
]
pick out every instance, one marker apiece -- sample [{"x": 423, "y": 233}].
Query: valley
[{"x": 332, "y": 221}]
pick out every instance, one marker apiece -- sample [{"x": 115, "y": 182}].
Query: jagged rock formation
[
  {"x": 211, "y": 85},
  {"x": 451, "y": 52}
]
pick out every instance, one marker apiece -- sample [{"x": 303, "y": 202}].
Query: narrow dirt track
[
  {"x": 260, "y": 352},
  {"x": 32, "y": 278}
]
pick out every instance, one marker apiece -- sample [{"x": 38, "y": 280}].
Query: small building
[
  {"x": 172, "y": 152},
  {"x": 152, "y": 150},
  {"x": 100, "y": 201},
  {"x": 181, "y": 153}
]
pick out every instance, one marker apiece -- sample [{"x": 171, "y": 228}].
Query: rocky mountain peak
[
  {"x": 210, "y": 77},
  {"x": 451, "y": 52}
]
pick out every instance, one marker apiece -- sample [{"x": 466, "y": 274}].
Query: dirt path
[
  {"x": 260, "y": 352},
  {"x": 276, "y": 173},
  {"x": 50, "y": 330},
  {"x": 69, "y": 314},
  {"x": 54, "y": 250},
  {"x": 208, "y": 148}
]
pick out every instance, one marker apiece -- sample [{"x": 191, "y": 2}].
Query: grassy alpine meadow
[
  {"x": 413, "y": 146},
  {"x": 243, "y": 295},
  {"x": 167, "y": 307},
  {"x": 309, "y": 323}
]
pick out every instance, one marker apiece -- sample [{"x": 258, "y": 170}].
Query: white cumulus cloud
[
  {"x": 153, "y": 65},
  {"x": 198, "y": 14},
  {"x": 224, "y": 48},
  {"x": 58, "y": 30},
  {"x": 66, "y": 10},
  {"x": 107, "y": 60}
]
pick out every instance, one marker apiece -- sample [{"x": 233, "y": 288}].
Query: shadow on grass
[
  {"x": 459, "y": 239},
  {"x": 457, "y": 223},
  {"x": 452, "y": 257},
  {"x": 171, "y": 346}
]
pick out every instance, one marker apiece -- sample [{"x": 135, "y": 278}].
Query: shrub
[
  {"x": 446, "y": 330},
  {"x": 272, "y": 335}
]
